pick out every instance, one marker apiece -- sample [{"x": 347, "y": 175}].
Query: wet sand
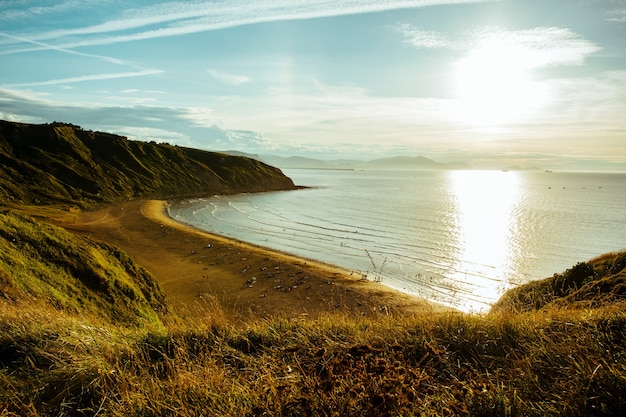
[{"x": 196, "y": 269}]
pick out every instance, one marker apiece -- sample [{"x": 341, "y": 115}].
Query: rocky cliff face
[{"x": 62, "y": 163}]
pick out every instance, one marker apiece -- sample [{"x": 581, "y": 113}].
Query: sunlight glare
[
  {"x": 493, "y": 84},
  {"x": 485, "y": 206}
]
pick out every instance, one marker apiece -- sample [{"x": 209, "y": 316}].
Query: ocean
[{"x": 459, "y": 238}]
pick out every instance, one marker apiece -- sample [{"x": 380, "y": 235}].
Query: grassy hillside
[
  {"x": 598, "y": 282},
  {"x": 46, "y": 266},
  {"x": 61, "y": 163},
  {"x": 64, "y": 300}
]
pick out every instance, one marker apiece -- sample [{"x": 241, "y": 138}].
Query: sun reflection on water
[{"x": 485, "y": 208}]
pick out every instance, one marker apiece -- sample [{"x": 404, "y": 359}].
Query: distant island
[{"x": 392, "y": 163}]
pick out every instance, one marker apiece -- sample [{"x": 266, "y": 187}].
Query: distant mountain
[
  {"x": 398, "y": 163},
  {"x": 298, "y": 162},
  {"x": 521, "y": 168},
  {"x": 412, "y": 162},
  {"x": 62, "y": 163}
]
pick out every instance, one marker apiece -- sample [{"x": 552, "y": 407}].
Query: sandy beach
[{"x": 196, "y": 269}]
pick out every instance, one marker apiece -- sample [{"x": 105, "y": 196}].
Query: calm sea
[{"x": 460, "y": 238}]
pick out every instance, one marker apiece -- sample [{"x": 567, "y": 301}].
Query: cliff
[{"x": 63, "y": 164}]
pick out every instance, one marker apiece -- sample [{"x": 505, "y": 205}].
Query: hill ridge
[{"x": 62, "y": 163}]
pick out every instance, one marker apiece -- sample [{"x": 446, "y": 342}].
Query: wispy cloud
[
  {"x": 84, "y": 78},
  {"x": 145, "y": 122},
  {"x": 246, "y": 139},
  {"x": 617, "y": 15},
  {"x": 585, "y": 106},
  {"x": 540, "y": 46},
  {"x": 232, "y": 79},
  {"x": 179, "y": 18},
  {"x": 134, "y": 91},
  {"x": 43, "y": 45},
  {"x": 11, "y": 10},
  {"x": 543, "y": 46},
  {"x": 425, "y": 38}
]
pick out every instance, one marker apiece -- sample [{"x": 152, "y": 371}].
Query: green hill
[
  {"x": 596, "y": 283},
  {"x": 46, "y": 266},
  {"x": 63, "y": 164}
]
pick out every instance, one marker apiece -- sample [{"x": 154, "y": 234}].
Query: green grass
[{"x": 43, "y": 264}]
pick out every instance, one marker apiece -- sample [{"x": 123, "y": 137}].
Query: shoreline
[{"x": 198, "y": 269}]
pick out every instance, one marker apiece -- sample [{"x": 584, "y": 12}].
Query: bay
[{"x": 460, "y": 238}]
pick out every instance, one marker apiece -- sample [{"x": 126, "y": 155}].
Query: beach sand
[{"x": 197, "y": 269}]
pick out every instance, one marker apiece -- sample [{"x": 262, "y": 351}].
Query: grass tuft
[{"x": 560, "y": 363}]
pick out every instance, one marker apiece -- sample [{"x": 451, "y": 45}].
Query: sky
[{"x": 528, "y": 83}]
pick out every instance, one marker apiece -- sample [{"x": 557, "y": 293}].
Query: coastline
[{"x": 198, "y": 269}]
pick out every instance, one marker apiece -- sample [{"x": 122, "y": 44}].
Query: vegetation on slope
[
  {"x": 599, "y": 282},
  {"x": 46, "y": 265},
  {"x": 561, "y": 363},
  {"x": 559, "y": 360},
  {"x": 62, "y": 163}
]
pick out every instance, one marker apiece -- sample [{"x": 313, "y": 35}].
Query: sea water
[{"x": 460, "y": 238}]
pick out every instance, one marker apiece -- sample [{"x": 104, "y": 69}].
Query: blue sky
[{"x": 494, "y": 83}]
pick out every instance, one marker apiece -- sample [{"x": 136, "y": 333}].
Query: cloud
[
  {"x": 133, "y": 100},
  {"x": 586, "y": 111},
  {"x": 195, "y": 127},
  {"x": 13, "y": 12},
  {"x": 423, "y": 38},
  {"x": 618, "y": 15},
  {"x": 178, "y": 18},
  {"x": 151, "y": 134},
  {"x": 227, "y": 78},
  {"x": 134, "y": 90},
  {"x": 540, "y": 46},
  {"x": 327, "y": 114},
  {"x": 595, "y": 103},
  {"x": 84, "y": 78},
  {"x": 247, "y": 140},
  {"x": 64, "y": 50}
]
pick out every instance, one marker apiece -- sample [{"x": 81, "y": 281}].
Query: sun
[{"x": 493, "y": 84}]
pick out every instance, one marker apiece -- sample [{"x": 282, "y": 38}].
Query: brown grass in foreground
[
  {"x": 561, "y": 362},
  {"x": 85, "y": 330}
]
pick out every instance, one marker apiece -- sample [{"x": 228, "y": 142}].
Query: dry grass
[
  {"x": 564, "y": 362},
  {"x": 76, "y": 338}
]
